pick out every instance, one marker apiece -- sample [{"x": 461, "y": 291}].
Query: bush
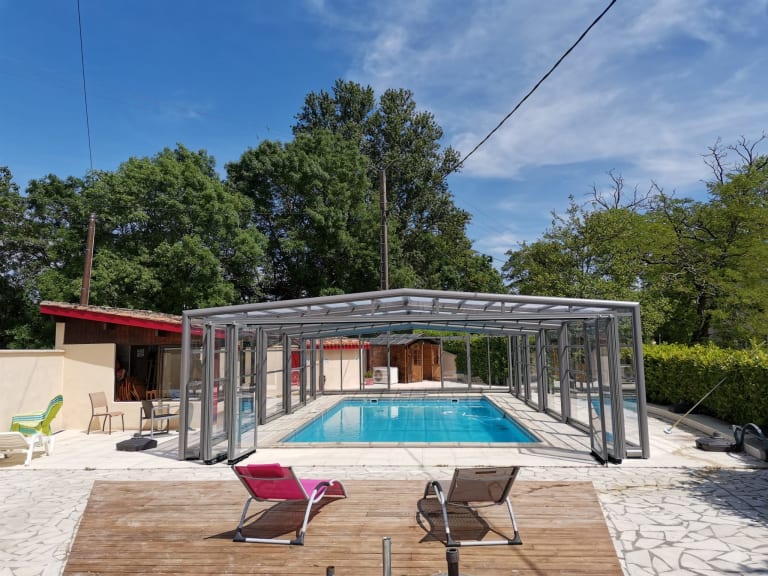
[{"x": 677, "y": 374}]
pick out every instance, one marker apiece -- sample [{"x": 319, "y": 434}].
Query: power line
[
  {"x": 532, "y": 90},
  {"x": 85, "y": 92}
]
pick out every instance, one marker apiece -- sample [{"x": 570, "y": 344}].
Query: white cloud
[
  {"x": 645, "y": 93},
  {"x": 653, "y": 84}
]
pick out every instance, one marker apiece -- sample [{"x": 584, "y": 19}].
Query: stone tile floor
[{"x": 681, "y": 512}]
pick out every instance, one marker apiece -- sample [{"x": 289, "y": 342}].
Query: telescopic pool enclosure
[{"x": 579, "y": 360}]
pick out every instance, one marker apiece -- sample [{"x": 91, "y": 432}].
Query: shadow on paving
[{"x": 740, "y": 492}]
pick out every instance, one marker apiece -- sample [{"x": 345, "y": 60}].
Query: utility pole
[
  {"x": 86, "y": 287},
  {"x": 384, "y": 237}
]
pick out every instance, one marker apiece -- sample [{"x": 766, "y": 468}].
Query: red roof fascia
[
  {"x": 122, "y": 320},
  {"x": 344, "y": 346}
]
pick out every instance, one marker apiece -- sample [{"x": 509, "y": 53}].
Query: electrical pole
[
  {"x": 384, "y": 234},
  {"x": 86, "y": 287}
]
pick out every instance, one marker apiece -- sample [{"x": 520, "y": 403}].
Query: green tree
[
  {"x": 312, "y": 200},
  {"x": 169, "y": 235},
  {"x": 428, "y": 246},
  {"x": 594, "y": 251},
  {"x": 20, "y": 249},
  {"x": 713, "y": 256}
]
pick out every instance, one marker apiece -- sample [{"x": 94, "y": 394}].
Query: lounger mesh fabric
[
  {"x": 475, "y": 488},
  {"x": 276, "y": 483}
]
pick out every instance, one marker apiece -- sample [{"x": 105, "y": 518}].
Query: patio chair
[
  {"x": 155, "y": 414},
  {"x": 473, "y": 488},
  {"x": 99, "y": 408},
  {"x": 31, "y": 423},
  {"x": 12, "y": 442},
  {"x": 276, "y": 483}
]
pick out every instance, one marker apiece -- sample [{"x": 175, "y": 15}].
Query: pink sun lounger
[{"x": 276, "y": 483}]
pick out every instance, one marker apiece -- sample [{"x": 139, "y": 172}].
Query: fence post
[
  {"x": 386, "y": 551},
  {"x": 452, "y": 557}
]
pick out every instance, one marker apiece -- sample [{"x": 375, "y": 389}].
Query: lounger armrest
[{"x": 438, "y": 489}]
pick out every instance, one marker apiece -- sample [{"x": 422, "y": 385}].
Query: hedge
[{"x": 676, "y": 374}]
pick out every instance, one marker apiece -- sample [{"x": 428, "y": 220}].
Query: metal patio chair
[{"x": 99, "y": 408}]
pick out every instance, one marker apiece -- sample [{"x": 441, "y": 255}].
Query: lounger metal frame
[{"x": 496, "y": 484}]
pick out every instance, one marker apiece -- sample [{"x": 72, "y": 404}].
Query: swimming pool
[{"x": 415, "y": 420}]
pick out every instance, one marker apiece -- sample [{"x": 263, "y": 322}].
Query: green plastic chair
[{"x": 34, "y": 422}]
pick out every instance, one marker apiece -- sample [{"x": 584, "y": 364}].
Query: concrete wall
[
  {"x": 30, "y": 378},
  {"x": 342, "y": 370},
  {"x": 28, "y": 381},
  {"x": 88, "y": 368}
]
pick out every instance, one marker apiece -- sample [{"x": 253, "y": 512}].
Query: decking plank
[{"x": 186, "y": 528}]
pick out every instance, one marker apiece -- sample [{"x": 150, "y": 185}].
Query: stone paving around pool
[{"x": 681, "y": 512}]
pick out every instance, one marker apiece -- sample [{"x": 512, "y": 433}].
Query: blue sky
[{"x": 644, "y": 95}]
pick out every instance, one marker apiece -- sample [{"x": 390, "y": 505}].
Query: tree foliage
[
  {"x": 21, "y": 249},
  {"x": 169, "y": 235},
  {"x": 712, "y": 256},
  {"x": 312, "y": 200},
  {"x": 293, "y": 219},
  {"x": 302, "y": 218},
  {"x": 697, "y": 268},
  {"x": 428, "y": 245}
]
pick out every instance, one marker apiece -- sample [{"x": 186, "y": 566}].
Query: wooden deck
[{"x": 187, "y": 528}]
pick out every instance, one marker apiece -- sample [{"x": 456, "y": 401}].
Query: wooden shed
[{"x": 416, "y": 357}]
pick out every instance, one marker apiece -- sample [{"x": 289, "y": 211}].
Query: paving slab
[{"x": 683, "y": 511}]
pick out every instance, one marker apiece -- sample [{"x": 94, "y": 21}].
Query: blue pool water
[
  {"x": 630, "y": 405},
  {"x": 413, "y": 420}
]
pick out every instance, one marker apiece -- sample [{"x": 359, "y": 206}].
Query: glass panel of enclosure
[
  {"x": 312, "y": 373},
  {"x": 594, "y": 398},
  {"x": 243, "y": 408},
  {"x": 189, "y": 425},
  {"x": 603, "y": 395},
  {"x": 457, "y": 371},
  {"x": 213, "y": 428},
  {"x": 498, "y": 362},
  {"x": 579, "y": 375},
  {"x": 517, "y": 366},
  {"x": 455, "y": 362},
  {"x": 632, "y": 401},
  {"x": 273, "y": 396},
  {"x": 376, "y": 373},
  {"x": 522, "y": 369},
  {"x": 532, "y": 391},
  {"x": 489, "y": 361},
  {"x": 297, "y": 372},
  {"x": 552, "y": 371}
]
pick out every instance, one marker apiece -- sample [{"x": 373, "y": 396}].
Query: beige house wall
[
  {"x": 339, "y": 369},
  {"x": 29, "y": 379},
  {"x": 343, "y": 371},
  {"x": 91, "y": 368}
]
